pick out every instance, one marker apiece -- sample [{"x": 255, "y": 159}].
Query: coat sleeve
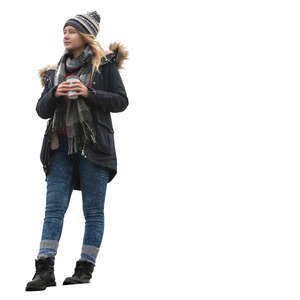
[
  {"x": 115, "y": 99},
  {"x": 47, "y": 103}
]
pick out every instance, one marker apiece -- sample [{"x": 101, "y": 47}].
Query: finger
[
  {"x": 62, "y": 89},
  {"x": 75, "y": 89},
  {"x": 69, "y": 82},
  {"x": 76, "y": 85},
  {"x": 65, "y": 90},
  {"x": 64, "y": 86},
  {"x": 68, "y": 87}
]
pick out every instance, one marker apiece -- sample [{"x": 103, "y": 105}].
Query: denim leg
[
  {"x": 60, "y": 184},
  {"x": 93, "y": 180}
]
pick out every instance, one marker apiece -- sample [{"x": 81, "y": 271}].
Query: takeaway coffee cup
[{"x": 71, "y": 79}]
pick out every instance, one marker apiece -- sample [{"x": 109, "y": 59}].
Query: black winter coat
[{"x": 106, "y": 95}]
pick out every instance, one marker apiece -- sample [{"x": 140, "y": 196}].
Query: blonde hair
[{"x": 97, "y": 49}]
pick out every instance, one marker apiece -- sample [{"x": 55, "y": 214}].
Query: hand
[
  {"x": 81, "y": 89},
  {"x": 64, "y": 87}
]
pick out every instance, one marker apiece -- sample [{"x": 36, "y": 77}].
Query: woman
[{"x": 78, "y": 149}]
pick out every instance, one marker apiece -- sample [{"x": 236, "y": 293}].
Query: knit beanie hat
[{"x": 86, "y": 23}]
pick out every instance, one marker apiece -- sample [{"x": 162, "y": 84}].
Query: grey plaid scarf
[{"x": 74, "y": 116}]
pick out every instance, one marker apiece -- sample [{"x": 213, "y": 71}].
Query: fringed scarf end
[{"x": 72, "y": 145}]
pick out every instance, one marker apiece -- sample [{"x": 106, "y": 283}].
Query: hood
[{"x": 116, "y": 51}]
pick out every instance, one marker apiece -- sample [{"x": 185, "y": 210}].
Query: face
[{"x": 72, "y": 39}]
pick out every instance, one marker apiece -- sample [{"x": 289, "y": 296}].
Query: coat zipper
[
  {"x": 90, "y": 84},
  {"x": 82, "y": 151}
]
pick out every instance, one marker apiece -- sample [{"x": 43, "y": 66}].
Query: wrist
[{"x": 91, "y": 91}]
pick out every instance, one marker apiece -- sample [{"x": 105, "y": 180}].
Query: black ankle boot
[
  {"x": 82, "y": 274},
  {"x": 44, "y": 275}
]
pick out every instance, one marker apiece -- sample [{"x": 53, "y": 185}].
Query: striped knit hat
[{"x": 86, "y": 23}]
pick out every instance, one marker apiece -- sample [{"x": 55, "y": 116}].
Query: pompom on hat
[{"x": 86, "y": 23}]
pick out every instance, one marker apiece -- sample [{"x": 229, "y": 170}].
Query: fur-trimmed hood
[{"x": 116, "y": 52}]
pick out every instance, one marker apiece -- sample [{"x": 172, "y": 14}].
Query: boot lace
[
  {"x": 82, "y": 268},
  {"x": 79, "y": 270},
  {"x": 43, "y": 265}
]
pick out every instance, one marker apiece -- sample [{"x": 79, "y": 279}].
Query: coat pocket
[
  {"x": 104, "y": 139},
  {"x": 104, "y": 120}
]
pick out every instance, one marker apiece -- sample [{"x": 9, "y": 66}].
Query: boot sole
[
  {"x": 73, "y": 281},
  {"x": 39, "y": 288}
]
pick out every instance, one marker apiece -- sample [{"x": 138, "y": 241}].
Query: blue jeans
[{"x": 60, "y": 184}]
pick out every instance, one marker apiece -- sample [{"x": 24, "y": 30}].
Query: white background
[{"x": 205, "y": 204}]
